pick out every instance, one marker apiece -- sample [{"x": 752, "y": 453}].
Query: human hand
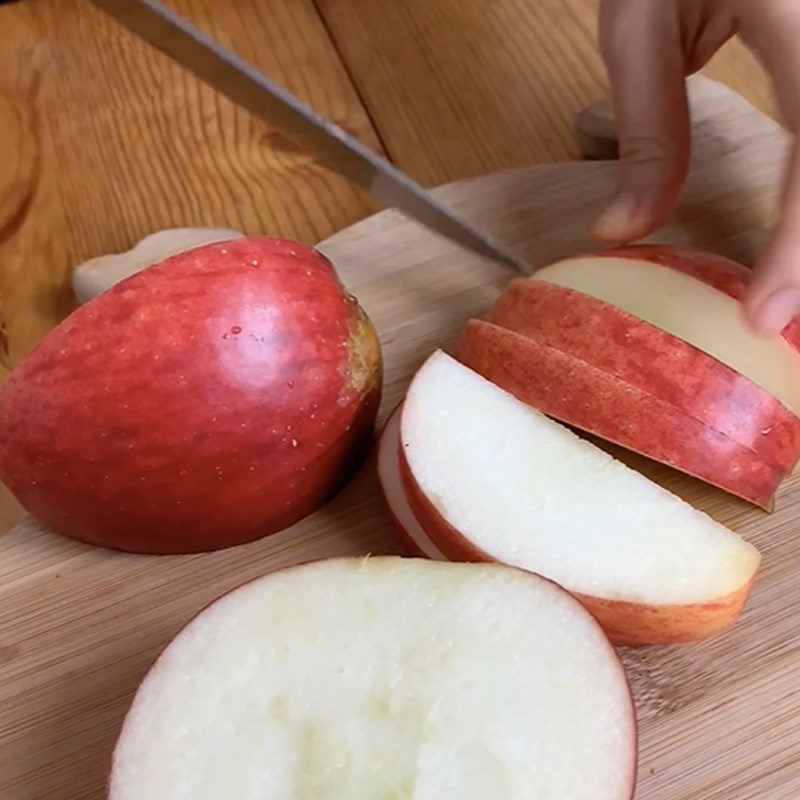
[{"x": 649, "y": 47}]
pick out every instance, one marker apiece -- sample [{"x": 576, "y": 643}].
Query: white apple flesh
[{"x": 383, "y": 678}]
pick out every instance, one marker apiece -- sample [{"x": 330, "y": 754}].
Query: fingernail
[
  {"x": 774, "y": 313},
  {"x": 616, "y": 221}
]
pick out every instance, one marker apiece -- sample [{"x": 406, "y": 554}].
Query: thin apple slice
[
  {"x": 417, "y": 542},
  {"x": 596, "y": 401},
  {"x": 694, "y": 297},
  {"x": 491, "y": 479},
  {"x": 360, "y": 679},
  {"x": 653, "y": 361}
]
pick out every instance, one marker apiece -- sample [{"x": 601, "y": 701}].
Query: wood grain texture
[
  {"x": 460, "y": 89},
  {"x": 107, "y": 141},
  {"x": 103, "y": 141},
  {"x": 719, "y": 720}
]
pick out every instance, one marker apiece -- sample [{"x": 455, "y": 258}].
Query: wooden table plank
[
  {"x": 103, "y": 141},
  {"x": 460, "y": 89}
]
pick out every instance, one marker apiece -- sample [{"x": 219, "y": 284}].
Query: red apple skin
[
  {"x": 655, "y": 362},
  {"x": 564, "y": 387},
  {"x": 625, "y": 623},
  {"x": 205, "y": 402}
]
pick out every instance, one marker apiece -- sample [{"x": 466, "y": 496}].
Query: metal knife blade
[{"x": 331, "y": 145}]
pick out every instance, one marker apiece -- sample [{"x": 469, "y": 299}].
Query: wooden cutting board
[{"x": 719, "y": 720}]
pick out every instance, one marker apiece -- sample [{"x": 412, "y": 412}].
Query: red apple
[
  {"x": 598, "y": 402},
  {"x": 359, "y": 679},
  {"x": 204, "y": 402},
  {"x": 488, "y": 478}
]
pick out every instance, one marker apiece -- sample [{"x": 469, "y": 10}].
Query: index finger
[{"x": 641, "y": 44}]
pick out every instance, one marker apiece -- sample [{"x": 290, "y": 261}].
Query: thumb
[{"x": 641, "y": 44}]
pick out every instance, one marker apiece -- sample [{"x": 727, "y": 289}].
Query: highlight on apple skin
[
  {"x": 204, "y": 402},
  {"x": 383, "y": 677},
  {"x": 486, "y": 477}
]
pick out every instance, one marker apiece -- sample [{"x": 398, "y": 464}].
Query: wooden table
[{"x": 103, "y": 141}]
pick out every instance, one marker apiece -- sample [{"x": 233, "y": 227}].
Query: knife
[{"x": 332, "y": 146}]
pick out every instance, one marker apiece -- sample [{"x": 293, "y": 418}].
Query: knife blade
[{"x": 329, "y": 143}]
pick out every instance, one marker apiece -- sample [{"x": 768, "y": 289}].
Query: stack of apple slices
[
  {"x": 471, "y": 473},
  {"x": 360, "y": 679},
  {"x": 647, "y": 347}
]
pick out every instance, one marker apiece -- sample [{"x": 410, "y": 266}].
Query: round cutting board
[{"x": 79, "y": 626}]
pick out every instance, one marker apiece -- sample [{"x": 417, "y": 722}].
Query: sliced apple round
[
  {"x": 383, "y": 677},
  {"x": 489, "y": 478},
  {"x": 594, "y": 400}
]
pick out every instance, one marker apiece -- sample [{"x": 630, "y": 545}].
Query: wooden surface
[
  {"x": 80, "y": 625},
  {"x": 449, "y": 90}
]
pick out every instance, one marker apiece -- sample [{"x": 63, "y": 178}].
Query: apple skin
[
  {"x": 564, "y": 387},
  {"x": 655, "y": 362},
  {"x": 205, "y": 402},
  {"x": 625, "y": 623}
]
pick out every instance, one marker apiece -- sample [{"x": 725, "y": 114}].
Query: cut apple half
[
  {"x": 490, "y": 478},
  {"x": 384, "y": 677},
  {"x": 597, "y": 401},
  {"x": 680, "y": 292}
]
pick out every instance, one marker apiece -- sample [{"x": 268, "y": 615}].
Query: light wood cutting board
[{"x": 719, "y": 720}]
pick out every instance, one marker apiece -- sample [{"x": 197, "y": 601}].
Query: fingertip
[
  {"x": 768, "y": 316},
  {"x": 616, "y": 222},
  {"x": 627, "y": 217}
]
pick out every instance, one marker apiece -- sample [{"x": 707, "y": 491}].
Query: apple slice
[
  {"x": 694, "y": 296},
  {"x": 596, "y": 401},
  {"x": 654, "y": 361},
  {"x": 417, "y": 542},
  {"x": 491, "y": 479},
  {"x": 383, "y": 677}
]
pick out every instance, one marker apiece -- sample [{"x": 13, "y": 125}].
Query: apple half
[
  {"x": 486, "y": 477},
  {"x": 664, "y": 325},
  {"x": 383, "y": 677}
]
